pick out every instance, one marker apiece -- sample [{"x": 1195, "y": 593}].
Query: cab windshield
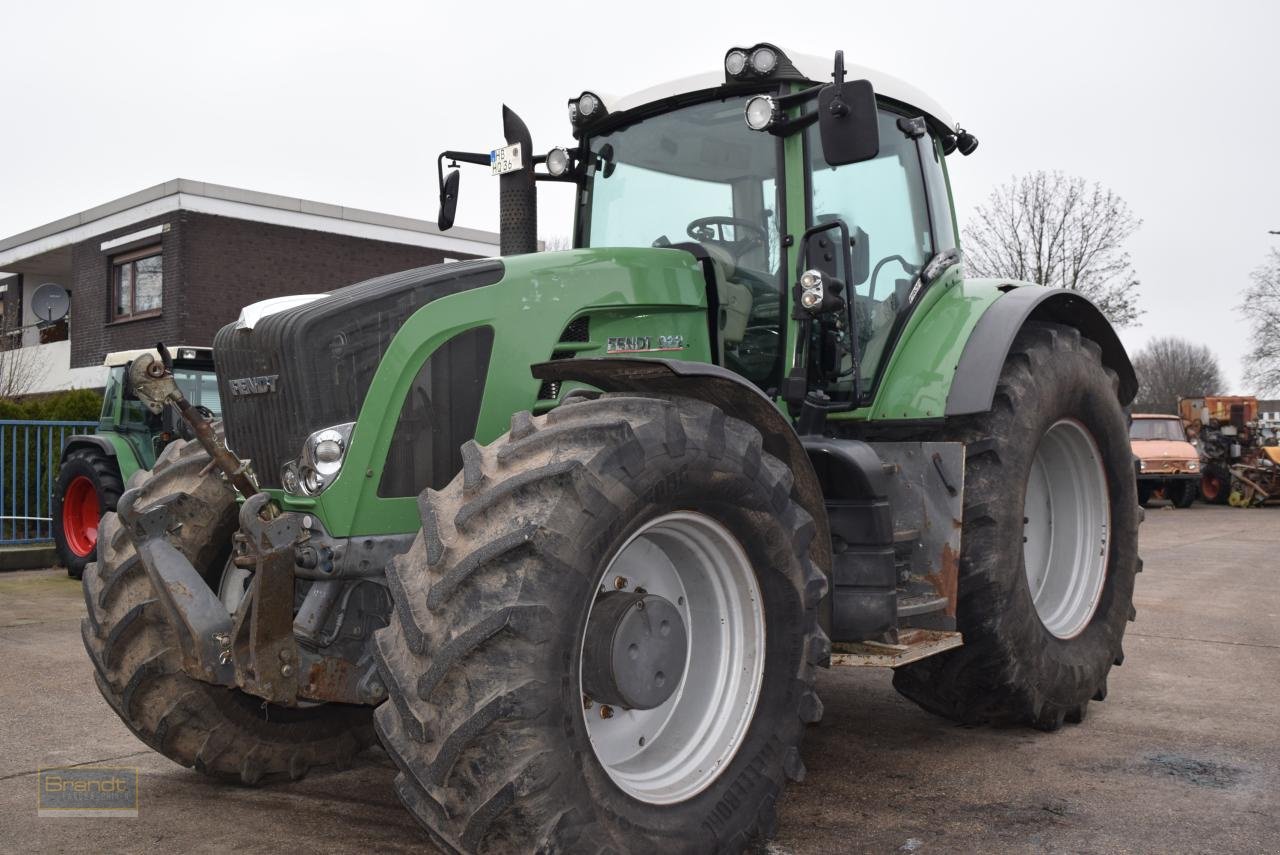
[
  {"x": 698, "y": 174},
  {"x": 1157, "y": 429}
]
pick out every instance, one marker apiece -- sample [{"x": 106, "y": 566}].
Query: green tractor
[
  {"x": 95, "y": 467},
  {"x": 571, "y": 533}
]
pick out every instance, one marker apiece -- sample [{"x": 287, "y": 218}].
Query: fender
[
  {"x": 974, "y": 385},
  {"x": 110, "y": 444},
  {"x": 736, "y": 395}
]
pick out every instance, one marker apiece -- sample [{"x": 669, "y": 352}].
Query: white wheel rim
[
  {"x": 1066, "y": 528},
  {"x": 674, "y": 751}
]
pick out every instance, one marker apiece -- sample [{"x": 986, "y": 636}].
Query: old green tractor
[
  {"x": 571, "y": 533},
  {"x": 95, "y": 467}
]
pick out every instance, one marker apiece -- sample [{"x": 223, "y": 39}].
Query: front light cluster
[
  {"x": 321, "y": 460},
  {"x": 811, "y": 292},
  {"x": 745, "y": 63},
  {"x": 1193, "y": 465}
]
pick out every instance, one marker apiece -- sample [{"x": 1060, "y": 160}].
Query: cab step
[{"x": 913, "y": 645}]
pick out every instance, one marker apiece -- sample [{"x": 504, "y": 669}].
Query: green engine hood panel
[{"x": 625, "y": 293}]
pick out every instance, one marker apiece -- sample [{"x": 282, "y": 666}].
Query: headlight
[
  {"x": 585, "y": 109},
  {"x": 1142, "y": 465},
  {"x": 1193, "y": 465},
  {"x": 557, "y": 161},
  {"x": 761, "y": 112},
  {"x": 323, "y": 454}
]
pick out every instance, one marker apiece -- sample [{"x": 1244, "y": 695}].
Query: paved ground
[{"x": 1183, "y": 756}]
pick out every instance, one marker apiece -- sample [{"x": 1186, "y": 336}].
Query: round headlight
[
  {"x": 573, "y": 112},
  {"x": 328, "y": 451},
  {"x": 588, "y": 104},
  {"x": 811, "y": 279},
  {"x": 735, "y": 62},
  {"x": 764, "y": 60},
  {"x": 557, "y": 161},
  {"x": 811, "y": 298},
  {"x": 761, "y": 111}
]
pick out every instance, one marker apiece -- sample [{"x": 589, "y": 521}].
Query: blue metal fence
[{"x": 29, "y": 456}]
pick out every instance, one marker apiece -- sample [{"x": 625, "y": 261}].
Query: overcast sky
[{"x": 1172, "y": 105}]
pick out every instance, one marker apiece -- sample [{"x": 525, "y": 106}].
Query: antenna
[{"x": 50, "y": 302}]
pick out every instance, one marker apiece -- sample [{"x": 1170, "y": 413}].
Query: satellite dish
[{"x": 50, "y": 302}]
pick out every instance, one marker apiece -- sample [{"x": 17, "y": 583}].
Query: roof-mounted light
[
  {"x": 759, "y": 61},
  {"x": 586, "y": 109}
]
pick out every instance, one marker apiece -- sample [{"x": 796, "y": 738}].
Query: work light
[
  {"x": 761, "y": 112},
  {"x": 735, "y": 62},
  {"x": 764, "y": 60},
  {"x": 557, "y": 161}
]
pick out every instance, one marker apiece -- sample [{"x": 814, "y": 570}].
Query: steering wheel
[{"x": 712, "y": 229}]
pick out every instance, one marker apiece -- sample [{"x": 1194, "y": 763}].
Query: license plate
[{"x": 505, "y": 159}]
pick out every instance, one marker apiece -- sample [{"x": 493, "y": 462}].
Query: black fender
[
  {"x": 87, "y": 440},
  {"x": 974, "y": 385},
  {"x": 736, "y": 395}
]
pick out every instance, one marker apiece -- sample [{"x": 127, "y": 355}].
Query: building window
[{"x": 138, "y": 283}]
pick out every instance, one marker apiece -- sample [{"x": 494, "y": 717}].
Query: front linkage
[{"x": 255, "y": 648}]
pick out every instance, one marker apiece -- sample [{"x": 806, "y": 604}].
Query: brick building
[{"x": 177, "y": 261}]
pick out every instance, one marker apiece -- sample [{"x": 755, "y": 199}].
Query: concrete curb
[{"x": 28, "y": 556}]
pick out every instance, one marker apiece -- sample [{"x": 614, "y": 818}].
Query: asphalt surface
[{"x": 1184, "y": 756}]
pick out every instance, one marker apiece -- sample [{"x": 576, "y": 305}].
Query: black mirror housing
[
  {"x": 448, "y": 200},
  {"x": 847, "y": 122}
]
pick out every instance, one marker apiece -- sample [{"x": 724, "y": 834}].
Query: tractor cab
[
  {"x": 779, "y": 167},
  {"x": 148, "y": 433}
]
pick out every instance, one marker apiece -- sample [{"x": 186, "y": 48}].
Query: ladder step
[
  {"x": 921, "y": 605},
  {"x": 914, "y": 644},
  {"x": 906, "y": 535}
]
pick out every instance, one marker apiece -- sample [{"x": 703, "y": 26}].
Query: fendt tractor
[
  {"x": 571, "y": 532},
  {"x": 94, "y": 468}
]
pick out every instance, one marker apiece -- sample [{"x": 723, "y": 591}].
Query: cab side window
[{"x": 883, "y": 201}]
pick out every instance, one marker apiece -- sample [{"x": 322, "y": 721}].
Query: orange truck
[{"x": 1168, "y": 465}]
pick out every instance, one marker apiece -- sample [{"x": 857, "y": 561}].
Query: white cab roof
[{"x": 815, "y": 68}]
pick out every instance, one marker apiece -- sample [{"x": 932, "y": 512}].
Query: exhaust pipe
[{"x": 517, "y": 193}]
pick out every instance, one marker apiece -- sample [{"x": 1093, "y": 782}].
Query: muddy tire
[
  {"x": 221, "y": 732},
  {"x": 89, "y": 485},
  {"x": 487, "y": 720},
  {"x": 1013, "y": 668}
]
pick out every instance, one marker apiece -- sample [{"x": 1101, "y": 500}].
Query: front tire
[
  {"x": 497, "y": 746},
  {"x": 1038, "y": 656},
  {"x": 89, "y": 485},
  {"x": 222, "y": 732},
  {"x": 1188, "y": 492}
]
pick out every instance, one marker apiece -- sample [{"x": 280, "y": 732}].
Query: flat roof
[{"x": 185, "y": 194}]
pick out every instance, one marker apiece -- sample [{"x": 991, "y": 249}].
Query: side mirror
[
  {"x": 847, "y": 122},
  {"x": 448, "y": 200}
]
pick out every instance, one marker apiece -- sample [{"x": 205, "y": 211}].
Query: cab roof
[{"x": 816, "y": 69}]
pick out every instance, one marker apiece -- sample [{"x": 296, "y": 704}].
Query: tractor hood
[{"x": 309, "y": 365}]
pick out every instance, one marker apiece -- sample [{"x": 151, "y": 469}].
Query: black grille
[
  {"x": 579, "y": 329},
  {"x": 324, "y": 355}
]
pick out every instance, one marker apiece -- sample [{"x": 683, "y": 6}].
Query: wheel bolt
[
  {"x": 606, "y": 711},
  {"x": 286, "y": 670},
  {"x": 586, "y": 702},
  {"x": 620, "y": 582}
]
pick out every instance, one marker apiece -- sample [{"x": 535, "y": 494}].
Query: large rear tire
[
  {"x": 499, "y": 744},
  {"x": 1049, "y": 466},
  {"x": 221, "y": 732},
  {"x": 89, "y": 485}
]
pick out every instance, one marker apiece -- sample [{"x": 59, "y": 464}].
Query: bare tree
[
  {"x": 1171, "y": 368},
  {"x": 1057, "y": 230},
  {"x": 556, "y": 243},
  {"x": 18, "y": 369},
  {"x": 1261, "y": 307}
]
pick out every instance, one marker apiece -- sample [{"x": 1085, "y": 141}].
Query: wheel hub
[{"x": 634, "y": 652}]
